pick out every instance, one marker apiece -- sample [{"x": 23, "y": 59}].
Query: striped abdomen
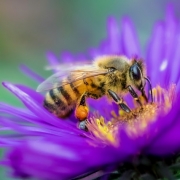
[{"x": 60, "y": 101}]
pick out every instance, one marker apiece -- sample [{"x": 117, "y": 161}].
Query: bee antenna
[{"x": 150, "y": 87}]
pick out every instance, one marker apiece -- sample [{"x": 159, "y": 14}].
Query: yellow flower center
[
  {"x": 136, "y": 121},
  {"x": 102, "y": 130}
]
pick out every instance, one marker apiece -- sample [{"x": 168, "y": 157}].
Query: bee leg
[
  {"x": 119, "y": 101},
  {"x": 134, "y": 94},
  {"x": 82, "y": 125},
  {"x": 82, "y": 111},
  {"x": 144, "y": 95},
  {"x": 150, "y": 94}
]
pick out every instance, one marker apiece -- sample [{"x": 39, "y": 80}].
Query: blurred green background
[{"x": 29, "y": 28}]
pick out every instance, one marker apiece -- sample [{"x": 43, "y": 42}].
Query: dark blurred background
[{"x": 28, "y": 29}]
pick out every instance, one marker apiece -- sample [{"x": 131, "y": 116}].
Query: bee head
[{"x": 136, "y": 73}]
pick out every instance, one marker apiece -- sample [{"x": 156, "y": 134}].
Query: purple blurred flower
[{"x": 38, "y": 145}]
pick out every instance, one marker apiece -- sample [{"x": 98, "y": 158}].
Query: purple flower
[{"x": 39, "y": 145}]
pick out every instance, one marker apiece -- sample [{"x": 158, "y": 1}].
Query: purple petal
[
  {"x": 178, "y": 87},
  {"x": 93, "y": 52},
  {"x": 168, "y": 140},
  {"x": 52, "y": 60},
  {"x": 36, "y": 96},
  {"x": 155, "y": 52},
  {"x": 7, "y": 123},
  {"x": 113, "y": 36},
  {"x": 81, "y": 57},
  {"x": 55, "y": 159},
  {"x": 170, "y": 32},
  {"x": 103, "y": 48},
  {"x": 164, "y": 125},
  {"x": 67, "y": 57},
  {"x": 27, "y": 116},
  {"x": 130, "y": 43},
  {"x": 103, "y": 107},
  {"x": 5, "y": 142},
  {"x": 170, "y": 36},
  {"x": 174, "y": 63},
  {"x": 31, "y": 74},
  {"x": 31, "y": 103}
]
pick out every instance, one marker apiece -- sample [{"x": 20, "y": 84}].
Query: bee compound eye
[{"x": 135, "y": 72}]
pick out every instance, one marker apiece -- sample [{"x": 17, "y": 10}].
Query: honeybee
[{"x": 107, "y": 75}]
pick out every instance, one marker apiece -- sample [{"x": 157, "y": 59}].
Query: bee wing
[
  {"x": 67, "y": 66},
  {"x": 62, "y": 78}
]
